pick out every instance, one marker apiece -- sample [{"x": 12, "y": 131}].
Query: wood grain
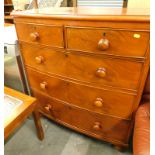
[
  {"x": 85, "y": 13},
  {"x": 119, "y": 73},
  {"x": 122, "y": 42},
  {"x": 72, "y": 77},
  {"x": 83, "y": 96},
  {"x": 110, "y": 127},
  {"x": 47, "y": 34}
]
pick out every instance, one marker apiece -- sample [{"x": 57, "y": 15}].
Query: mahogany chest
[{"x": 87, "y": 67}]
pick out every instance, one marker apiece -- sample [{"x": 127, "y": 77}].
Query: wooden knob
[
  {"x": 101, "y": 72},
  {"x": 97, "y": 126},
  {"x": 103, "y": 44},
  {"x": 39, "y": 59},
  {"x": 34, "y": 36},
  {"x": 43, "y": 85},
  {"x": 98, "y": 102},
  {"x": 48, "y": 107}
]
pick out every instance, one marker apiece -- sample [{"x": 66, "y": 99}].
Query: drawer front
[
  {"x": 107, "y": 41},
  {"x": 94, "y": 70},
  {"x": 94, "y": 99},
  {"x": 91, "y": 123},
  {"x": 41, "y": 34}
]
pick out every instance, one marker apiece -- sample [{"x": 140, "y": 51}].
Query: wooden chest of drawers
[{"x": 87, "y": 67}]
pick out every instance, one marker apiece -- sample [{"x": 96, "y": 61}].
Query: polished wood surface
[
  {"x": 93, "y": 70},
  {"x": 97, "y": 70},
  {"x": 41, "y": 34},
  {"x": 99, "y": 126},
  {"x": 21, "y": 113},
  {"x": 107, "y": 41},
  {"x": 82, "y": 95},
  {"x": 85, "y": 13}
]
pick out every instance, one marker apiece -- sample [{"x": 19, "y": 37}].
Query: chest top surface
[{"x": 75, "y": 13}]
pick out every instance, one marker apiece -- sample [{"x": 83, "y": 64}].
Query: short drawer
[
  {"x": 107, "y": 41},
  {"x": 99, "y": 71},
  {"x": 101, "y": 101},
  {"x": 50, "y": 35},
  {"x": 101, "y": 126}
]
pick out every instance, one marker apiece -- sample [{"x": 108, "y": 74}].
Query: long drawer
[
  {"x": 89, "y": 122},
  {"x": 98, "y": 100},
  {"x": 51, "y": 35},
  {"x": 96, "y": 70},
  {"x": 117, "y": 42}
]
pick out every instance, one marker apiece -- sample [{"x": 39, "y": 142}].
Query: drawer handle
[
  {"x": 34, "y": 36},
  {"x": 101, "y": 72},
  {"x": 43, "y": 85},
  {"x": 39, "y": 59},
  {"x": 97, "y": 126},
  {"x": 48, "y": 107},
  {"x": 98, "y": 102},
  {"x": 103, "y": 44}
]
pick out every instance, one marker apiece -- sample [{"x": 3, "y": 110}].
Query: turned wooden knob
[
  {"x": 34, "y": 36},
  {"x": 43, "y": 85},
  {"x": 98, "y": 102},
  {"x": 39, "y": 59},
  {"x": 97, "y": 126},
  {"x": 103, "y": 44},
  {"x": 101, "y": 72},
  {"x": 48, "y": 107}
]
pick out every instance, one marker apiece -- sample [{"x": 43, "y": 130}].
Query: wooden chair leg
[{"x": 38, "y": 124}]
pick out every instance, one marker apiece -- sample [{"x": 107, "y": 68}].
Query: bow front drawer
[
  {"x": 107, "y": 41},
  {"x": 51, "y": 35},
  {"x": 95, "y": 70},
  {"x": 94, "y": 99},
  {"x": 83, "y": 120}
]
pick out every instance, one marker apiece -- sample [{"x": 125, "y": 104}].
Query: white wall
[{"x": 138, "y": 3}]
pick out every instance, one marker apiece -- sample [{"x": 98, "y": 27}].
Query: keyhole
[
  {"x": 67, "y": 83},
  {"x": 34, "y": 28},
  {"x": 66, "y": 54},
  {"x": 104, "y": 34}
]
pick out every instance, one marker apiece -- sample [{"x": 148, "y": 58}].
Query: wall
[
  {"x": 132, "y": 3},
  {"x": 138, "y": 3}
]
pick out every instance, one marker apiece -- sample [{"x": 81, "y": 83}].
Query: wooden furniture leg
[
  {"x": 119, "y": 148},
  {"x": 38, "y": 125}
]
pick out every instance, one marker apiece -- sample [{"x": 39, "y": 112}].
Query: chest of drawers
[{"x": 87, "y": 67}]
